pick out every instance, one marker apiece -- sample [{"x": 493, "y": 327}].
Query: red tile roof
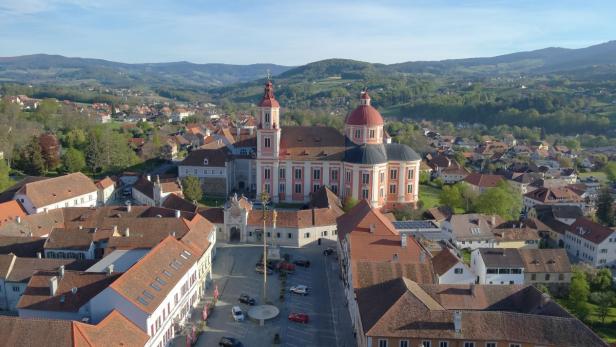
[
  {"x": 363, "y": 218},
  {"x": 10, "y": 210},
  {"x": 114, "y": 330},
  {"x": 57, "y": 189},
  {"x": 483, "y": 180},
  {"x": 589, "y": 230}
]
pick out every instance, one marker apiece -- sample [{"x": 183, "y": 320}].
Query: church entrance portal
[{"x": 234, "y": 235}]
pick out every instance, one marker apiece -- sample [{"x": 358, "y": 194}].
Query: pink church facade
[{"x": 293, "y": 162}]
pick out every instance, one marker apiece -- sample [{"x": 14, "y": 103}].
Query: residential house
[
  {"x": 472, "y": 230},
  {"x": 70, "y": 243},
  {"x": 153, "y": 193},
  {"x": 410, "y": 314},
  {"x": 450, "y": 269},
  {"x": 454, "y": 173},
  {"x": 213, "y": 168},
  {"x": 516, "y": 235},
  {"x": 106, "y": 190},
  {"x": 591, "y": 243},
  {"x": 72, "y": 190},
  {"x": 549, "y": 267},
  {"x": 420, "y": 229},
  {"x": 497, "y": 266},
  {"x": 480, "y": 182},
  {"x": 551, "y": 196}
]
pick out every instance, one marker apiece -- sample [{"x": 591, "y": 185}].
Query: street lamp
[{"x": 264, "y": 199}]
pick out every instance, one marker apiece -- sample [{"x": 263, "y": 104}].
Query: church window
[
  {"x": 348, "y": 176},
  {"x": 315, "y": 188},
  {"x": 267, "y": 117},
  {"x": 335, "y": 189},
  {"x": 267, "y": 188},
  {"x": 298, "y": 188},
  {"x": 281, "y": 173},
  {"x": 410, "y": 174},
  {"x": 267, "y": 174},
  {"x": 298, "y": 174},
  {"x": 267, "y": 142},
  {"x": 382, "y": 176},
  {"x": 334, "y": 175},
  {"x": 364, "y": 193},
  {"x": 393, "y": 174},
  {"x": 371, "y": 133},
  {"x": 357, "y": 133},
  {"x": 281, "y": 187},
  {"x": 409, "y": 189},
  {"x": 365, "y": 178},
  {"x": 316, "y": 174},
  {"x": 392, "y": 189}
]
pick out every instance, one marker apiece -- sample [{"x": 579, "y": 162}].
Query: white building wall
[
  {"x": 451, "y": 277},
  {"x": 85, "y": 200}
]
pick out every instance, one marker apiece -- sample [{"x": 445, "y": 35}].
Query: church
[{"x": 293, "y": 162}]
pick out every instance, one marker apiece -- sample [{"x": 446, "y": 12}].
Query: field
[{"x": 605, "y": 330}]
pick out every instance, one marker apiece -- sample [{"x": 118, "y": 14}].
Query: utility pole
[{"x": 264, "y": 199}]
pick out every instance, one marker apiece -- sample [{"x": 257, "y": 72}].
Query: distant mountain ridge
[{"x": 43, "y": 68}]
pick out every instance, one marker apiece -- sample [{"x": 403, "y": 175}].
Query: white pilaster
[
  {"x": 401, "y": 180},
  {"x": 307, "y": 180},
  {"x": 259, "y": 182},
  {"x": 288, "y": 178},
  {"x": 354, "y": 187},
  {"x": 275, "y": 181}
]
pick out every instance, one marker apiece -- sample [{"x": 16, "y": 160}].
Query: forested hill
[{"x": 56, "y": 69}]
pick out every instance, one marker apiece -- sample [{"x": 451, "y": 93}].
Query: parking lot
[{"x": 234, "y": 274}]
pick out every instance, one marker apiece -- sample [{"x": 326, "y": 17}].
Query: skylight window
[
  {"x": 142, "y": 300},
  {"x": 155, "y": 286},
  {"x": 187, "y": 253},
  {"x": 148, "y": 295},
  {"x": 174, "y": 266},
  {"x": 184, "y": 256},
  {"x": 167, "y": 273},
  {"x": 160, "y": 280}
]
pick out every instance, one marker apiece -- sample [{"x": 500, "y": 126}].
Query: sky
[{"x": 295, "y": 32}]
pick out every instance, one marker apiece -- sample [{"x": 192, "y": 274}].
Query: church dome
[
  {"x": 268, "y": 99},
  {"x": 365, "y": 114}
]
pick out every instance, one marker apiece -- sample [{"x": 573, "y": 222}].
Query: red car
[
  {"x": 298, "y": 317},
  {"x": 289, "y": 267}
]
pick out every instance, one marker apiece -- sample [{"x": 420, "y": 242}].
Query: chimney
[
  {"x": 372, "y": 228},
  {"x": 53, "y": 285},
  {"x": 74, "y": 290},
  {"x": 127, "y": 232},
  {"x": 394, "y": 257},
  {"x": 115, "y": 229},
  {"x": 129, "y": 207},
  {"x": 109, "y": 269},
  {"x": 493, "y": 220},
  {"x": 457, "y": 321},
  {"x": 149, "y": 178},
  {"x": 313, "y": 217},
  {"x": 403, "y": 240},
  {"x": 178, "y": 214},
  {"x": 173, "y": 233},
  {"x": 61, "y": 271},
  {"x": 81, "y": 227},
  {"x": 39, "y": 255},
  {"x": 18, "y": 219}
]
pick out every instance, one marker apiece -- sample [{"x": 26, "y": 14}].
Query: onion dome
[
  {"x": 365, "y": 114},
  {"x": 268, "y": 97}
]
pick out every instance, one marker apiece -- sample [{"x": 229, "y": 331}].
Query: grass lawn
[
  {"x": 209, "y": 201},
  {"x": 606, "y": 330},
  {"x": 429, "y": 195},
  {"x": 600, "y": 175},
  {"x": 466, "y": 255}
]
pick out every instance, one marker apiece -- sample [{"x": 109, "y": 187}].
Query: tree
[
  {"x": 502, "y": 200},
  {"x": 602, "y": 280},
  {"x": 579, "y": 291},
  {"x": 606, "y": 300},
  {"x": 605, "y": 207},
  {"x": 5, "y": 180},
  {"x": 73, "y": 160},
  {"x": 30, "y": 158},
  {"x": 451, "y": 196},
  {"x": 191, "y": 187},
  {"x": 348, "y": 203},
  {"x": 50, "y": 150},
  {"x": 610, "y": 171}
]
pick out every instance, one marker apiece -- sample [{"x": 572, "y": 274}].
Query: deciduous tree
[{"x": 191, "y": 187}]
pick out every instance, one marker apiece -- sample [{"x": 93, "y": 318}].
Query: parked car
[
  {"x": 245, "y": 299},
  {"x": 302, "y": 262},
  {"x": 329, "y": 251},
  {"x": 299, "y": 289},
  {"x": 229, "y": 342},
  {"x": 285, "y": 266},
  {"x": 260, "y": 269},
  {"x": 299, "y": 317},
  {"x": 237, "y": 313}
]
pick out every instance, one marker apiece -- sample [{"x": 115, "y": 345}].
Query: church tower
[{"x": 268, "y": 142}]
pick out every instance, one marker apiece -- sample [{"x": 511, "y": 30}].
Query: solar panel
[{"x": 414, "y": 224}]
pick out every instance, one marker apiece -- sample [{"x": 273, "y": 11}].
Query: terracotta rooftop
[
  {"x": 18, "y": 269},
  {"x": 21, "y": 246},
  {"x": 70, "y": 239},
  {"x": 214, "y": 214},
  {"x": 37, "y": 295},
  {"x": 363, "y": 218},
  {"x": 553, "y": 195},
  {"x": 147, "y": 283},
  {"x": 545, "y": 260},
  {"x": 34, "y": 225},
  {"x": 176, "y": 202},
  {"x": 312, "y": 143},
  {"x": 113, "y": 330},
  {"x": 509, "y": 313},
  {"x": 507, "y": 234},
  {"x": 10, "y": 211},
  {"x": 589, "y": 230},
  {"x": 214, "y": 157},
  {"x": 444, "y": 261},
  {"x": 58, "y": 189},
  {"x": 105, "y": 183},
  {"x": 364, "y": 114},
  {"x": 483, "y": 180},
  {"x": 295, "y": 218}
]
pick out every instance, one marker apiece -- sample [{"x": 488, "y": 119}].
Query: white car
[
  {"x": 299, "y": 289},
  {"x": 237, "y": 313}
]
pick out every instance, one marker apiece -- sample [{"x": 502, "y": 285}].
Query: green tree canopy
[
  {"x": 348, "y": 203},
  {"x": 5, "y": 180},
  {"x": 605, "y": 207},
  {"x": 191, "y": 187},
  {"x": 502, "y": 200},
  {"x": 73, "y": 160}
]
